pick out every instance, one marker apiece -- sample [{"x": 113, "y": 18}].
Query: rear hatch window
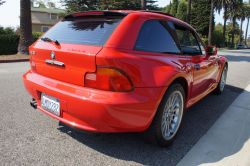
[
  {"x": 80, "y": 40},
  {"x": 87, "y": 31}
]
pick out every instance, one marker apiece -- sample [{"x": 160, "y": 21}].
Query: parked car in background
[
  {"x": 240, "y": 46},
  {"x": 123, "y": 71},
  {"x": 246, "y": 46}
]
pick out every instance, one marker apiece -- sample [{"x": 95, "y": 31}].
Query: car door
[
  {"x": 202, "y": 68},
  {"x": 211, "y": 60}
]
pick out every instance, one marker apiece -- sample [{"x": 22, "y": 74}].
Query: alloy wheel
[{"x": 172, "y": 115}]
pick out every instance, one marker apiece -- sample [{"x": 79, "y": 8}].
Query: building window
[
  {"x": 44, "y": 29},
  {"x": 53, "y": 16}
]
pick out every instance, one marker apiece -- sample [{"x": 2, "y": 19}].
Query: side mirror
[{"x": 211, "y": 50}]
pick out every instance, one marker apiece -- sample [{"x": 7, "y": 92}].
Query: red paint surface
[{"x": 151, "y": 74}]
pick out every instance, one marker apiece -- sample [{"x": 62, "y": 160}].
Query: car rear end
[{"x": 66, "y": 83}]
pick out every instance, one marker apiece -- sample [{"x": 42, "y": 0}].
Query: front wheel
[
  {"x": 168, "y": 117},
  {"x": 223, "y": 78}
]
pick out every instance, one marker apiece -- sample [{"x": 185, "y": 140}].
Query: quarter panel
[{"x": 146, "y": 69}]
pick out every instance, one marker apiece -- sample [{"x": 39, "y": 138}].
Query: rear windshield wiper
[{"x": 46, "y": 39}]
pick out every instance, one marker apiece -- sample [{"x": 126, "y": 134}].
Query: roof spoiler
[
  {"x": 88, "y": 13},
  {"x": 158, "y": 12}
]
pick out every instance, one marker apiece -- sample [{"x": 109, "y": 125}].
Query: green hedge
[{"x": 9, "y": 44}]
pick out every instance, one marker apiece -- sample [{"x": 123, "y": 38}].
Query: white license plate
[{"x": 50, "y": 104}]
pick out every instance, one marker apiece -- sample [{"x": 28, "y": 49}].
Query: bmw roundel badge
[{"x": 52, "y": 54}]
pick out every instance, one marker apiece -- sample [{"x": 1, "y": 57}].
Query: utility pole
[{"x": 143, "y": 4}]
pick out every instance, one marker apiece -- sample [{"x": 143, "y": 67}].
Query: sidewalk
[{"x": 227, "y": 142}]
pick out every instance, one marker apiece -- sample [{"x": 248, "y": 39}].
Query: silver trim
[{"x": 54, "y": 62}]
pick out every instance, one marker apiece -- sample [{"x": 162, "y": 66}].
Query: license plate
[{"x": 50, "y": 104}]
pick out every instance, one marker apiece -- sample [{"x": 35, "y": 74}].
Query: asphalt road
[{"x": 30, "y": 137}]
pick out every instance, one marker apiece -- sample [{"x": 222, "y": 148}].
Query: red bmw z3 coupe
[{"x": 122, "y": 71}]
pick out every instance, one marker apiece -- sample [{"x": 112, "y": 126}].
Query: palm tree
[
  {"x": 243, "y": 13},
  {"x": 26, "y": 38},
  {"x": 247, "y": 22},
  {"x": 223, "y": 4},
  {"x": 1, "y": 2},
  {"x": 211, "y": 23},
  {"x": 143, "y": 4},
  {"x": 188, "y": 11},
  {"x": 233, "y": 14}
]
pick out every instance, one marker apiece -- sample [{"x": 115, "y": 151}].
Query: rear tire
[
  {"x": 223, "y": 78},
  {"x": 168, "y": 117}
]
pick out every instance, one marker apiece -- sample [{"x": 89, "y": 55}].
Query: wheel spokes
[{"x": 172, "y": 115}]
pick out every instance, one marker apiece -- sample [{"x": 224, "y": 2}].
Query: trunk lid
[
  {"x": 80, "y": 39},
  {"x": 78, "y": 59}
]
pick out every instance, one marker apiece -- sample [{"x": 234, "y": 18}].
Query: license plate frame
[{"x": 50, "y": 104}]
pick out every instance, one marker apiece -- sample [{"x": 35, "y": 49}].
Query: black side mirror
[{"x": 211, "y": 50}]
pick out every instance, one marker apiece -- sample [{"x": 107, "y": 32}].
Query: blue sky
[{"x": 10, "y": 11}]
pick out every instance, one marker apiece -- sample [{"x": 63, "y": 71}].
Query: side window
[
  {"x": 158, "y": 36},
  {"x": 202, "y": 46},
  {"x": 189, "y": 44}
]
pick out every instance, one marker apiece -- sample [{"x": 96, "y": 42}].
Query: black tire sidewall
[
  {"x": 160, "y": 139},
  {"x": 218, "y": 90}
]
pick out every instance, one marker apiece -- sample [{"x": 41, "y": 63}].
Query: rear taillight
[
  {"x": 110, "y": 79},
  {"x": 32, "y": 65}
]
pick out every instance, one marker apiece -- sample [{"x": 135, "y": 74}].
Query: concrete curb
[{"x": 14, "y": 60}]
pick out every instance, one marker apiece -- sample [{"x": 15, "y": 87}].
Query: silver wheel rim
[
  {"x": 172, "y": 115},
  {"x": 223, "y": 79}
]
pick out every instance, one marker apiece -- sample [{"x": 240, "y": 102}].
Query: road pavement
[{"x": 30, "y": 137}]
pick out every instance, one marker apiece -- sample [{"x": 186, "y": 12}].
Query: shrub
[
  {"x": 2, "y": 30},
  {"x": 9, "y": 31},
  {"x": 36, "y": 35},
  {"x": 8, "y": 44}
]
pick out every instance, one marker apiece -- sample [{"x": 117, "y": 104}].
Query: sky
[{"x": 10, "y": 12}]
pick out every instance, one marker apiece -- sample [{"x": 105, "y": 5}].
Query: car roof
[
  {"x": 114, "y": 13},
  {"x": 161, "y": 15}
]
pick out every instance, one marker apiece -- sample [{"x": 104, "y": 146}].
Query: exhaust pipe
[{"x": 33, "y": 104}]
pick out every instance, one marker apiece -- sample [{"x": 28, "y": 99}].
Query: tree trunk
[
  {"x": 188, "y": 11},
  {"x": 240, "y": 30},
  {"x": 234, "y": 20},
  {"x": 246, "y": 30},
  {"x": 211, "y": 23},
  {"x": 143, "y": 4},
  {"x": 224, "y": 27},
  {"x": 26, "y": 38}
]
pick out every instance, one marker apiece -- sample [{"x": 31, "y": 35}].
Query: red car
[{"x": 122, "y": 71}]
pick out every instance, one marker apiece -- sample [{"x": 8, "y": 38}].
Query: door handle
[{"x": 197, "y": 66}]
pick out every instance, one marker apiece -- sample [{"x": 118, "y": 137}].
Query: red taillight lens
[
  {"x": 110, "y": 79},
  {"x": 32, "y": 65}
]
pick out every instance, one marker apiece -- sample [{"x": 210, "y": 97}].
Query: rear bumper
[{"x": 96, "y": 110}]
